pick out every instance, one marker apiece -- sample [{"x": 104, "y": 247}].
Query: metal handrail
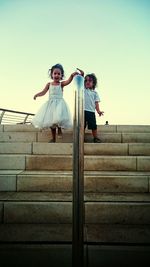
[
  {"x": 8, "y": 116},
  {"x": 78, "y": 177}
]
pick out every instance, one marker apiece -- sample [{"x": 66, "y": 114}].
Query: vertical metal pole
[
  {"x": 78, "y": 177},
  {"x": 1, "y": 117}
]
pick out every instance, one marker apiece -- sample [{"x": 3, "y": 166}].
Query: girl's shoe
[{"x": 97, "y": 140}]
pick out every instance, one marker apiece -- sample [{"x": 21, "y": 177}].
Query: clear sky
[{"x": 110, "y": 38}]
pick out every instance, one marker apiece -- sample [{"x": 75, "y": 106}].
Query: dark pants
[{"x": 90, "y": 120}]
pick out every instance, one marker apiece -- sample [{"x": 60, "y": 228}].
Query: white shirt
[{"x": 90, "y": 97}]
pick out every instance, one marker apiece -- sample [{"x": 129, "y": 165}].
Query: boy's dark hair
[
  {"x": 93, "y": 77},
  {"x": 56, "y": 66}
]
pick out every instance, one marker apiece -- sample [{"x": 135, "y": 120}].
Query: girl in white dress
[{"x": 55, "y": 112}]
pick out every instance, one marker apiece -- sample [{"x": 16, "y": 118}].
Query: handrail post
[
  {"x": 1, "y": 117},
  {"x": 25, "y": 119},
  {"x": 78, "y": 177}
]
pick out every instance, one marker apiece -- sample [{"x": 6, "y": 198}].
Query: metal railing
[
  {"x": 15, "y": 117},
  {"x": 8, "y": 116},
  {"x": 78, "y": 177}
]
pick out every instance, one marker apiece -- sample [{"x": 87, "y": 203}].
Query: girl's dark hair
[
  {"x": 93, "y": 77},
  {"x": 56, "y": 66}
]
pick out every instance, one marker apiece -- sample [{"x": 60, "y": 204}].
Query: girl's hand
[{"x": 81, "y": 72}]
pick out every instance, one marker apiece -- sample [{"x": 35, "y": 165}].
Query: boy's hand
[{"x": 101, "y": 113}]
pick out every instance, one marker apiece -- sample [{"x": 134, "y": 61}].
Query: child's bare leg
[
  {"x": 96, "y": 139},
  {"x": 59, "y": 132},
  {"x": 53, "y": 131},
  {"x": 94, "y": 133}
]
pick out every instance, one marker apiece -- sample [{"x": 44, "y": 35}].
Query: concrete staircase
[{"x": 36, "y": 189}]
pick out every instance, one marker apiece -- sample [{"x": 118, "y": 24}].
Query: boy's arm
[
  {"x": 98, "y": 109},
  {"x": 43, "y": 92}
]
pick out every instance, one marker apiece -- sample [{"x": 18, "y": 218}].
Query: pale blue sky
[{"x": 110, "y": 38}]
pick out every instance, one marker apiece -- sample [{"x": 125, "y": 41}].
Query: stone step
[
  {"x": 97, "y": 233},
  {"x": 106, "y": 137},
  {"x": 36, "y": 198},
  {"x": 18, "y": 137},
  {"x": 60, "y": 254},
  {"x": 45, "y": 136},
  {"x": 12, "y": 162},
  {"x": 8, "y": 180},
  {"x": 67, "y": 197},
  {"x": 131, "y": 128},
  {"x": 15, "y": 148},
  {"x": 120, "y": 163},
  {"x": 18, "y": 128},
  {"x": 37, "y": 181},
  {"x": 113, "y": 233},
  {"x": 67, "y": 148},
  {"x": 101, "y": 128},
  {"x": 64, "y": 163},
  {"x": 119, "y": 138},
  {"x": 61, "y": 212},
  {"x": 49, "y": 181},
  {"x": 91, "y": 183}
]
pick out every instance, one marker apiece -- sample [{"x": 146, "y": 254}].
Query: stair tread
[
  {"x": 38, "y": 232},
  {"x": 67, "y": 197},
  {"x": 116, "y": 184},
  {"x": 106, "y": 137},
  {"x": 106, "y": 128},
  {"x": 70, "y": 156},
  {"x": 70, "y": 173}
]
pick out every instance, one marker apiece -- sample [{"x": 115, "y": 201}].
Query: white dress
[{"x": 54, "y": 112}]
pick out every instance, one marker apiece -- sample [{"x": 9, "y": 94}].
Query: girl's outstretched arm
[
  {"x": 64, "y": 83},
  {"x": 43, "y": 92}
]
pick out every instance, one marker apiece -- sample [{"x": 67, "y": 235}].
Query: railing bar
[
  {"x": 12, "y": 116},
  {"x": 78, "y": 178},
  {"x": 13, "y": 111}
]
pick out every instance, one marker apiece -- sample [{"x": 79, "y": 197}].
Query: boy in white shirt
[{"x": 91, "y": 102}]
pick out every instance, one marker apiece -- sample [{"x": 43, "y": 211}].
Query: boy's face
[{"x": 88, "y": 82}]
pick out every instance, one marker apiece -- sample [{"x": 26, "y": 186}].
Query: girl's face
[
  {"x": 88, "y": 82},
  {"x": 56, "y": 75}
]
